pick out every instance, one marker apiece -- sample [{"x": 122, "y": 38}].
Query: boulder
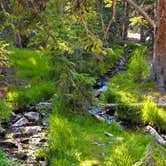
[{"x": 32, "y": 116}]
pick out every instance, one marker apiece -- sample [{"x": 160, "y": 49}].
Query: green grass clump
[
  {"x": 4, "y": 161},
  {"x": 153, "y": 115},
  {"x": 5, "y": 111}
]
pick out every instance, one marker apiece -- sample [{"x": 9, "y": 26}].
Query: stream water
[{"x": 102, "y": 85}]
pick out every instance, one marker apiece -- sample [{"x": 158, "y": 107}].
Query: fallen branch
[
  {"x": 112, "y": 105},
  {"x": 154, "y": 133}
]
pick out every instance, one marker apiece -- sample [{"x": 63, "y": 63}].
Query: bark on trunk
[
  {"x": 126, "y": 22},
  {"x": 160, "y": 46}
]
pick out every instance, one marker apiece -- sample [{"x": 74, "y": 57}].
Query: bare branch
[{"x": 142, "y": 12}]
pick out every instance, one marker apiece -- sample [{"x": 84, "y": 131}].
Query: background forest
[{"x": 82, "y": 82}]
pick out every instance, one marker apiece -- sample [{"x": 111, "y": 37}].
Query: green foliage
[
  {"x": 5, "y": 111},
  {"x": 75, "y": 90},
  {"x": 153, "y": 115},
  {"x": 138, "y": 69},
  {"x": 4, "y": 160},
  {"x": 4, "y": 62}
]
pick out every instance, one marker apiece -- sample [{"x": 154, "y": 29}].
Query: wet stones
[
  {"x": 32, "y": 116},
  {"x": 21, "y": 122},
  {"x": 23, "y": 136},
  {"x": 43, "y": 163},
  {"x": 30, "y": 130},
  {"x": 8, "y": 143}
]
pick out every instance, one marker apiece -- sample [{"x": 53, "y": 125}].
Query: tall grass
[{"x": 73, "y": 138}]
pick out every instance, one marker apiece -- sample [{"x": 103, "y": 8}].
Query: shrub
[
  {"x": 5, "y": 111},
  {"x": 153, "y": 115},
  {"x": 75, "y": 90},
  {"x": 4, "y": 61},
  {"x": 138, "y": 69}
]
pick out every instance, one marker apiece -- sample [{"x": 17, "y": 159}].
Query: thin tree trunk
[
  {"x": 143, "y": 37},
  {"x": 125, "y": 22},
  {"x": 106, "y": 33}
]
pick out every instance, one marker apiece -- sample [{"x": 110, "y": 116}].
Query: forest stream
[{"x": 26, "y": 131}]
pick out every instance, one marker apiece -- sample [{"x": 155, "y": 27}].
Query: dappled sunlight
[
  {"x": 33, "y": 61},
  {"x": 12, "y": 95}
]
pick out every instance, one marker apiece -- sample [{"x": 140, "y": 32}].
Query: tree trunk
[
  {"x": 160, "y": 46},
  {"x": 126, "y": 22}
]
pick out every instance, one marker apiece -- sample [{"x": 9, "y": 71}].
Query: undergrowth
[
  {"x": 75, "y": 139},
  {"x": 129, "y": 87},
  {"x": 5, "y": 111}
]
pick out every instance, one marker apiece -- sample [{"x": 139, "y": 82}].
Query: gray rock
[
  {"x": 17, "y": 134},
  {"x": 32, "y": 116},
  {"x": 108, "y": 134},
  {"x": 17, "y": 117},
  {"x": 43, "y": 163},
  {"x": 21, "y": 122},
  {"x": 31, "y": 130}
]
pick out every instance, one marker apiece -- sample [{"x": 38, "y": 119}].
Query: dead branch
[
  {"x": 111, "y": 105},
  {"x": 155, "y": 134}
]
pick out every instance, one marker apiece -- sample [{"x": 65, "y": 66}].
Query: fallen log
[
  {"x": 112, "y": 105},
  {"x": 156, "y": 135}
]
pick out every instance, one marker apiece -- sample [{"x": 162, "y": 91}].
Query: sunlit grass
[{"x": 80, "y": 140}]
